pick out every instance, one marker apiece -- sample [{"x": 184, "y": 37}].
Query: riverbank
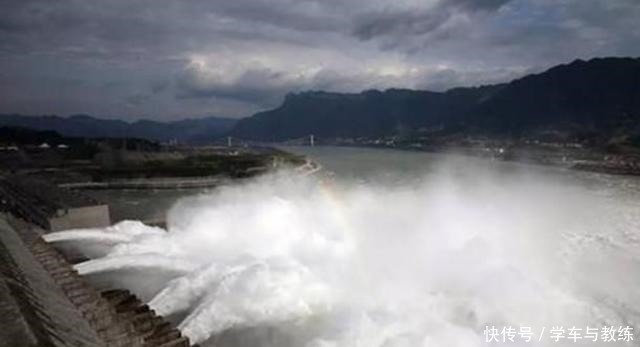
[
  {"x": 308, "y": 168},
  {"x": 566, "y": 155},
  {"x": 152, "y": 183}
]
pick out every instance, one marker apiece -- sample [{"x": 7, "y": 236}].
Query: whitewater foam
[{"x": 286, "y": 260}]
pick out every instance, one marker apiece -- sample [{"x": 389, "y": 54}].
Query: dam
[{"x": 43, "y": 299}]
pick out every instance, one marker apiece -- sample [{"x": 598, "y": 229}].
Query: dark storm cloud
[
  {"x": 398, "y": 23},
  {"x": 168, "y": 59},
  {"x": 412, "y": 21},
  {"x": 480, "y": 4}
]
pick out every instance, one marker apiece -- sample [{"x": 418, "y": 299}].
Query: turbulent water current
[{"x": 384, "y": 249}]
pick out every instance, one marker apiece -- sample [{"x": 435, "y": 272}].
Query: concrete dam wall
[{"x": 45, "y": 302}]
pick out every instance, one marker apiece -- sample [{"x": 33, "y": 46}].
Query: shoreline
[
  {"x": 308, "y": 168},
  {"x": 572, "y": 158},
  {"x": 151, "y": 183}
]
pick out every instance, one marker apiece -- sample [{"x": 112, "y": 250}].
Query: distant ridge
[
  {"x": 593, "y": 101},
  {"x": 599, "y": 96},
  {"x": 189, "y": 130}
]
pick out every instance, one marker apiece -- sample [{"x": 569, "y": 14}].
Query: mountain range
[
  {"x": 201, "y": 130},
  {"x": 599, "y": 97},
  {"x": 596, "y": 101}
]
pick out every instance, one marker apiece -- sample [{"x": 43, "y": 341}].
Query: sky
[{"x": 167, "y": 60}]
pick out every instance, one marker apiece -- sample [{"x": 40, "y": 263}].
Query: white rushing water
[{"x": 420, "y": 257}]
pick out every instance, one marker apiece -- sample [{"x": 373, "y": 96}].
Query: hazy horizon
[{"x": 205, "y": 116}]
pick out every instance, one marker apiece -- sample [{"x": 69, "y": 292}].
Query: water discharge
[
  {"x": 87, "y": 234},
  {"x": 286, "y": 260},
  {"x": 156, "y": 262}
]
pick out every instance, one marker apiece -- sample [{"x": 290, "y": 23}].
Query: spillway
[{"x": 45, "y": 302}]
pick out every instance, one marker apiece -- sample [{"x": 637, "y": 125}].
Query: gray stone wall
[
  {"x": 45, "y": 302},
  {"x": 46, "y": 316},
  {"x": 81, "y": 217}
]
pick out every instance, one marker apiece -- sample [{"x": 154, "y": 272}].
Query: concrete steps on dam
[{"x": 53, "y": 305}]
